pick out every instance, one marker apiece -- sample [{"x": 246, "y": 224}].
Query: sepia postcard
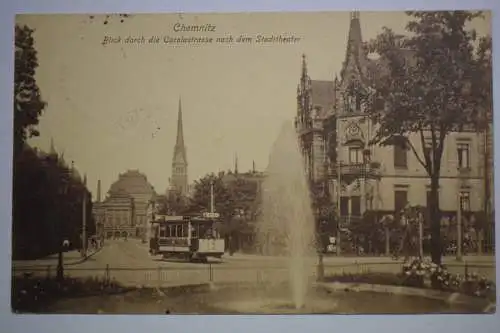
[{"x": 253, "y": 163}]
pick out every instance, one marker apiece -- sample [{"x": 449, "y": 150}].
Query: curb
[
  {"x": 66, "y": 263},
  {"x": 82, "y": 260},
  {"x": 450, "y": 298}
]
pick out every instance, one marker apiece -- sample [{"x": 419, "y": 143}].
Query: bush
[
  {"x": 418, "y": 273},
  {"x": 31, "y": 294},
  {"x": 419, "y": 270}
]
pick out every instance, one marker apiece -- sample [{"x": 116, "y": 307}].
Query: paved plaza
[{"x": 129, "y": 263}]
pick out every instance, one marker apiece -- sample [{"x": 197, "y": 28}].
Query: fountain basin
[{"x": 331, "y": 298}]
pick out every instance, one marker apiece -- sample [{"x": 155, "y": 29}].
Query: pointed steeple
[
  {"x": 52, "y": 147},
  {"x": 355, "y": 50},
  {"x": 180, "y": 149},
  {"x": 98, "y": 190},
  {"x": 304, "y": 77},
  {"x": 180, "y": 133},
  {"x": 253, "y": 166},
  {"x": 236, "y": 163},
  {"x": 179, "y": 180}
]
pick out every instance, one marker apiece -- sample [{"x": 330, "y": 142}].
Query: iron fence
[{"x": 164, "y": 276}]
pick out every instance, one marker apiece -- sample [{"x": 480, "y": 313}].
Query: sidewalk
[
  {"x": 73, "y": 257},
  {"x": 484, "y": 260}
]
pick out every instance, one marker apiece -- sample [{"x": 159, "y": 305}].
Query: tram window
[
  {"x": 179, "y": 231},
  {"x": 163, "y": 232},
  {"x": 202, "y": 233},
  {"x": 185, "y": 230},
  {"x": 194, "y": 230}
]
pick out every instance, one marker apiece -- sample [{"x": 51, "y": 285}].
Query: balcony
[
  {"x": 355, "y": 170},
  {"x": 346, "y": 220}
]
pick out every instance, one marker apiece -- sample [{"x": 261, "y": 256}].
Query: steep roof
[
  {"x": 135, "y": 184},
  {"x": 323, "y": 95},
  {"x": 180, "y": 149}
]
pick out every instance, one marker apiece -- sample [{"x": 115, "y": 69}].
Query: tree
[
  {"x": 235, "y": 198},
  {"x": 427, "y": 92},
  {"x": 174, "y": 203},
  {"x": 28, "y": 103},
  {"x": 200, "y": 202},
  {"x": 47, "y": 205}
]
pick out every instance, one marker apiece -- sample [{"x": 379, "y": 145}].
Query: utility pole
[
  {"x": 420, "y": 235},
  {"x": 84, "y": 218},
  {"x": 459, "y": 227},
  {"x": 84, "y": 223},
  {"x": 339, "y": 190},
  {"x": 212, "y": 196}
]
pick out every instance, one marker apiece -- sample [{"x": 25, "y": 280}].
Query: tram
[{"x": 187, "y": 237}]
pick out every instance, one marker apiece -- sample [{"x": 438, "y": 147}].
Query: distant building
[
  {"x": 179, "y": 179},
  {"x": 335, "y": 132},
  {"x": 123, "y": 213}
]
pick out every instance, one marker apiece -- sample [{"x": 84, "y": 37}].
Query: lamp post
[
  {"x": 339, "y": 196},
  {"x": 459, "y": 228},
  {"x": 62, "y": 191},
  {"x": 320, "y": 269},
  {"x": 420, "y": 235},
  {"x": 84, "y": 220}
]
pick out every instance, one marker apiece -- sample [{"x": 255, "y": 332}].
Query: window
[
  {"x": 355, "y": 155},
  {"x": 400, "y": 154},
  {"x": 163, "y": 232},
  {"x": 463, "y": 155},
  {"x": 194, "y": 230},
  {"x": 356, "y": 206},
  {"x": 369, "y": 203},
  {"x": 344, "y": 206},
  {"x": 358, "y": 102},
  {"x": 465, "y": 201},
  {"x": 400, "y": 199},
  {"x": 179, "y": 231},
  {"x": 428, "y": 148}
]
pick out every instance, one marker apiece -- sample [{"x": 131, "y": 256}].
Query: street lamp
[
  {"x": 459, "y": 228},
  {"x": 320, "y": 269},
  {"x": 62, "y": 244}
]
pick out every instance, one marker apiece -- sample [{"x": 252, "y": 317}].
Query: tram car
[{"x": 187, "y": 237}]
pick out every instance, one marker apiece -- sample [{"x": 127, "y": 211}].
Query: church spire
[
  {"x": 236, "y": 163},
  {"x": 52, "y": 147},
  {"x": 355, "y": 50},
  {"x": 98, "y": 190},
  {"x": 180, "y": 133},
  {"x": 180, "y": 149},
  {"x": 304, "y": 75},
  {"x": 179, "y": 160}
]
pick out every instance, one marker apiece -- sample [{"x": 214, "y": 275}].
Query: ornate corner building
[{"x": 334, "y": 133}]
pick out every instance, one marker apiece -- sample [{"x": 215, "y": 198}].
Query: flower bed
[
  {"x": 30, "y": 294},
  {"x": 419, "y": 273}
]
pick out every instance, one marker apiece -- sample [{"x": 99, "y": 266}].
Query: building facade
[
  {"x": 335, "y": 132},
  {"x": 123, "y": 213}
]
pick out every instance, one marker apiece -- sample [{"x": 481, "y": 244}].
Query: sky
[{"x": 111, "y": 108}]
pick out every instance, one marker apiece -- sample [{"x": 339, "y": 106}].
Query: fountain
[{"x": 287, "y": 225}]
